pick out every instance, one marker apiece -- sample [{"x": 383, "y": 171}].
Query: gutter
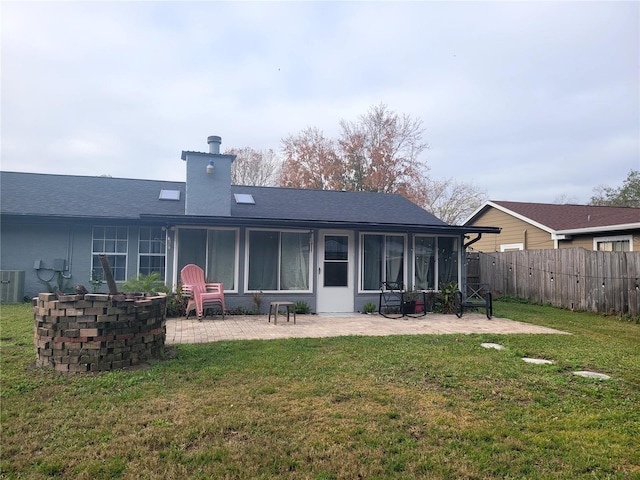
[{"x": 280, "y": 222}]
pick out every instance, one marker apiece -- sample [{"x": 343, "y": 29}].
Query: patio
[{"x": 257, "y": 327}]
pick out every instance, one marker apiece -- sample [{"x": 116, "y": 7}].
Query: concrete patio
[{"x": 254, "y": 327}]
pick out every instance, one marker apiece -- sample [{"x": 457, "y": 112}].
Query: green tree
[{"x": 628, "y": 195}]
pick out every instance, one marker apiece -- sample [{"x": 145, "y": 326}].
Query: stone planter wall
[{"x": 96, "y": 332}]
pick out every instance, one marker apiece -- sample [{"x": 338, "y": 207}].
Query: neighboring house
[
  {"x": 532, "y": 226},
  {"x": 331, "y": 249}
]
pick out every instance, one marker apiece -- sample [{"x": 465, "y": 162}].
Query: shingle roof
[
  {"x": 106, "y": 197},
  {"x": 92, "y": 197},
  {"x": 560, "y": 217},
  {"x": 325, "y": 205}
]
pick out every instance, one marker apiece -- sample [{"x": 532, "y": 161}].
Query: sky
[{"x": 528, "y": 101}]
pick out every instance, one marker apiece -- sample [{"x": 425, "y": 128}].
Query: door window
[{"x": 336, "y": 261}]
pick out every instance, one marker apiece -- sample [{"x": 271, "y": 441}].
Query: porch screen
[
  {"x": 382, "y": 260},
  {"x": 425, "y": 249},
  {"x": 212, "y": 250},
  {"x": 192, "y": 248},
  {"x": 221, "y": 253},
  {"x": 278, "y": 260},
  {"x": 447, "y": 260}
]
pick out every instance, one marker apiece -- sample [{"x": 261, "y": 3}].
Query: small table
[{"x": 290, "y": 306}]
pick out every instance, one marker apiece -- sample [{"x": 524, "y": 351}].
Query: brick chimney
[{"x": 208, "y": 191}]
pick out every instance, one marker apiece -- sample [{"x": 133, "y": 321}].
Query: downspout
[
  {"x": 468, "y": 244},
  {"x": 463, "y": 278}
]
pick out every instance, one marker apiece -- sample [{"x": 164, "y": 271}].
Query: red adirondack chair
[{"x": 201, "y": 295}]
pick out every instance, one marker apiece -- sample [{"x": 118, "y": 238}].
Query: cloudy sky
[{"x": 530, "y": 101}]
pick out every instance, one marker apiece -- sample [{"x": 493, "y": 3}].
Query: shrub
[
  {"x": 369, "y": 307},
  {"x": 302, "y": 307},
  {"x": 151, "y": 283},
  {"x": 447, "y": 296}
]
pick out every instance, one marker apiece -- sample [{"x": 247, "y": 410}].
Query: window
[
  {"x": 622, "y": 243},
  {"x": 151, "y": 251},
  {"x": 511, "y": 247},
  {"x": 111, "y": 241},
  {"x": 425, "y": 263},
  {"x": 213, "y": 250},
  {"x": 173, "y": 195},
  {"x": 436, "y": 262},
  {"x": 447, "y": 261},
  {"x": 278, "y": 260},
  {"x": 336, "y": 261},
  {"x": 382, "y": 260},
  {"x": 244, "y": 199}
]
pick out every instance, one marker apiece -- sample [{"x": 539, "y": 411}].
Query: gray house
[{"x": 331, "y": 249}]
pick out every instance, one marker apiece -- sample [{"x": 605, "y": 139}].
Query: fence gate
[{"x": 473, "y": 268}]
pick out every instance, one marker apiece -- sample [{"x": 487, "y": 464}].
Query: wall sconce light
[{"x": 210, "y": 167}]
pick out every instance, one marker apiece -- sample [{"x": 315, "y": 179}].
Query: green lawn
[{"x": 429, "y": 406}]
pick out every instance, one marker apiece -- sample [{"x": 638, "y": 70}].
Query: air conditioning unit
[{"x": 11, "y": 286}]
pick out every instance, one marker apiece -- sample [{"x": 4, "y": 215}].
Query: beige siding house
[{"x": 533, "y": 226}]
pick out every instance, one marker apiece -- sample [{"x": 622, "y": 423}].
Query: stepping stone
[
  {"x": 586, "y": 374},
  {"x": 497, "y": 346},
  {"x": 538, "y": 361}
]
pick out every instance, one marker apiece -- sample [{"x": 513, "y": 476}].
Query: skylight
[
  {"x": 169, "y": 195},
  {"x": 244, "y": 199}
]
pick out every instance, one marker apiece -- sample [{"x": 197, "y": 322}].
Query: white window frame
[
  {"x": 247, "y": 240},
  {"x": 361, "y": 258},
  {"x": 617, "y": 238},
  {"x": 95, "y": 253},
  {"x": 162, "y": 241},
  {"x": 511, "y": 246}
]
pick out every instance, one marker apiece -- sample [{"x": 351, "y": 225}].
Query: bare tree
[
  {"x": 452, "y": 201},
  {"x": 565, "y": 199},
  {"x": 254, "y": 167}
]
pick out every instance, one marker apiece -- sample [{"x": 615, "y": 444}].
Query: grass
[{"x": 424, "y": 406}]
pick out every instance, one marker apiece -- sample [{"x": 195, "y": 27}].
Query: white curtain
[
  {"x": 221, "y": 259},
  {"x": 425, "y": 263},
  {"x": 294, "y": 261},
  {"x": 447, "y": 261},
  {"x": 395, "y": 259}
]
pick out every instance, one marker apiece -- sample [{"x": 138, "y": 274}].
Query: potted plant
[{"x": 409, "y": 301}]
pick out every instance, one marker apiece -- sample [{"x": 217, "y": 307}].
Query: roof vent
[{"x": 214, "y": 142}]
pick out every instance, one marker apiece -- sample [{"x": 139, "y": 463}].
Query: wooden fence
[{"x": 578, "y": 279}]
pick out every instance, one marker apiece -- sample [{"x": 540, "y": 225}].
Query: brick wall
[{"x": 96, "y": 332}]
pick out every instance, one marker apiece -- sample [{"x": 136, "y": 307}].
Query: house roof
[
  {"x": 85, "y": 197},
  {"x": 566, "y": 218},
  {"x": 68, "y": 196},
  {"x": 331, "y": 206}
]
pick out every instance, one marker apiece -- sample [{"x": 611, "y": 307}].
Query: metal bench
[
  {"x": 395, "y": 302},
  {"x": 478, "y": 295}
]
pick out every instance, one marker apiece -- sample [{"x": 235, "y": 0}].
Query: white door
[{"x": 335, "y": 272}]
